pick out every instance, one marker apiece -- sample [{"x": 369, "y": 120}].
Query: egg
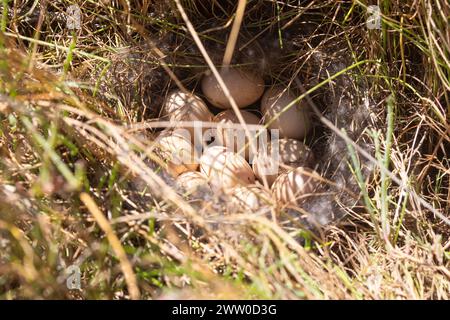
[
  {"x": 294, "y": 123},
  {"x": 245, "y": 87},
  {"x": 177, "y": 151},
  {"x": 236, "y": 139},
  {"x": 191, "y": 181},
  {"x": 250, "y": 198},
  {"x": 294, "y": 186},
  {"x": 225, "y": 169},
  {"x": 291, "y": 152},
  {"x": 181, "y": 106},
  {"x": 265, "y": 168}
]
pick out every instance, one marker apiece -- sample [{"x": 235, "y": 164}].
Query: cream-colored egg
[
  {"x": 250, "y": 198},
  {"x": 181, "y": 106},
  {"x": 225, "y": 169},
  {"x": 279, "y": 154},
  {"x": 178, "y": 152},
  {"x": 235, "y": 138},
  {"x": 245, "y": 87},
  {"x": 294, "y": 123},
  {"x": 265, "y": 168},
  {"x": 191, "y": 181},
  {"x": 294, "y": 186}
]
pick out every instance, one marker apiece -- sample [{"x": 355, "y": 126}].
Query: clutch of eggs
[
  {"x": 225, "y": 169},
  {"x": 191, "y": 181}
]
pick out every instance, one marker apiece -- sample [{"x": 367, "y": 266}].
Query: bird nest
[{"x": 303, "y": 56}]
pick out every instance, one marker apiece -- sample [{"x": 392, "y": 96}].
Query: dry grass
[{"x": 81, "y": 185}]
